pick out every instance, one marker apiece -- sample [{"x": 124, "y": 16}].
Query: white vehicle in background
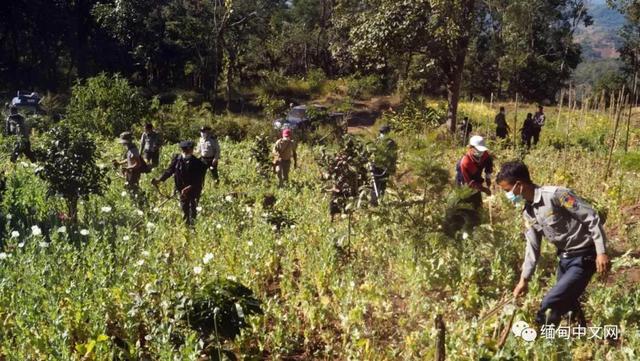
[
  {"x": 300, "y": 117},
  {"x": 27, "y": 103}
]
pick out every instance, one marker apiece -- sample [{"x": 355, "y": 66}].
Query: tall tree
[
  {"x": 630, "y": 34},
  {"x": 451, "y": 34},
  {"x": 380, "y": 30},
  {"x": 527, "y": 46}
]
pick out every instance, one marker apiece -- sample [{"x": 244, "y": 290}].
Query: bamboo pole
[
  {"x": 612, "y": 105},
  {"x": 515, "y": 120},
  {"x": 584, "y": 102},
  {"x": 635, "y": 103},
  {"x": 489, "y": 120},
  {"x": 481, "y": 106},
  {"x": 613, "y": 139},
  {"x": 560, "y": 109}
]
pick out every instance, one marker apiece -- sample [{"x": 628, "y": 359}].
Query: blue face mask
[{"x": 515, "y": 199}]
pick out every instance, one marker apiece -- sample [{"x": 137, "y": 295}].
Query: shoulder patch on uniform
[{"x": 568, "y": 200}]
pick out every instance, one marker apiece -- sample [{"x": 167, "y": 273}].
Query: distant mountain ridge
[{"x": 601, "y": 40}]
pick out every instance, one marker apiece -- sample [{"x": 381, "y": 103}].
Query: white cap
[{"x": 478, "y": 142}]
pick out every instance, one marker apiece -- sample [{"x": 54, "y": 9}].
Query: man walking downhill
[
  {"x": 188, "y": 174},
  {"x": 502, "y": 128},
  {"x": 132, "y": 162},
  {"x": 538, "y": 123},
  {"x": 284, "y": 151},
  {"x": 150, "y": 144},
  {"x": 15, "y": 125},
  {"x": 527, "y": 131},
  {"x": 209, "y": 150},
  {"x": 568, "y": 222}
]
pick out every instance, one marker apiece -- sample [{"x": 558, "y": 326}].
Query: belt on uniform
[{"x": 578, "y": 253}]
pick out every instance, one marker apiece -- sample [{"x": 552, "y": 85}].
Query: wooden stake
[
  {"x": 440, "y": 339},
  {"x": 635, "y": 103},
  {"x": 506, "y": 332},
  {"x": 560, "y": 108},
  {"x": 582, "y": 110},
  {"x": 612, "y": 106},
  {"x": 489, "y": 120},
  {"x": 613, "y": 139},
  {"x": 515, "y": 123}
]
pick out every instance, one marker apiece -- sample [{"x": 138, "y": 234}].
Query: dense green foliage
[
  {"x": 366, "y": 287},
  {"x": 106, "y": 104},
  {"x": 69, "y": 166}
]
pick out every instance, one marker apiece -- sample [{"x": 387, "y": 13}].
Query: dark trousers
[
  {"x": 535, "y": 133},
  {"x": 283, "y": 168},
  {"x": 152, "y": 158},
  {"x": 473, "y": 216},
  {"x": 213, "y": 167},
  {"x": 501, "y": 133},
  {"x": 189, "y": 205},
  {"x": 526, "y": 139},
  {"x": 22, "y": 147},
  {"x": 573, "y": 276},
  {"x": 132, "y": 178},
  {"x": 132, "y": 184}
]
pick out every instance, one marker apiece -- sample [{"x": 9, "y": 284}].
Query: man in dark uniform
[
  {"x": 384, "y": 163},
  {"x": 188, "y": 174},
  {"x": 15, "y": 125},
  {"x": 568, "y": 222},
  {"x": 527, "y": 131},
  {"x": 502, "y": 128}
]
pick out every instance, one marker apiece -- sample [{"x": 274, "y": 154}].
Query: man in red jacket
[{"x": 470, "y": 168}]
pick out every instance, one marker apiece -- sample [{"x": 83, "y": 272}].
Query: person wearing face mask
[
  {"x": 469, "y": 172},
  {"x": 470, "y": 168},
  {"x": 572, "y": 225},
  {"x": 188, "y": 174}
]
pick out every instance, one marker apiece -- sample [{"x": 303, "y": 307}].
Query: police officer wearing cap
[
  {"x": 572, "y": 225},
  {"x": 209, "y": 150},
  {"x": 15, "y": 125},
  {"x": 188, "y": 174}
]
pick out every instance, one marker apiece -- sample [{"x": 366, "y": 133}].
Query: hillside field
[{"x": 116, "y": 287}]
